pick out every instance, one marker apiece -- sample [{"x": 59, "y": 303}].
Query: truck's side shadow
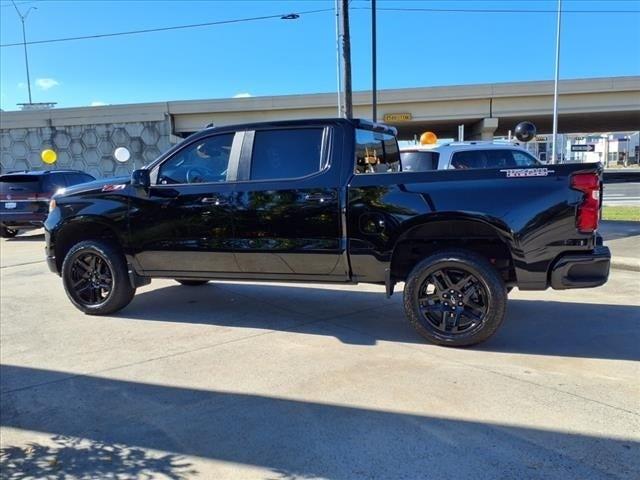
[
  {"x": 292, "y": 438},
  {"x": 532, "y": 326}
]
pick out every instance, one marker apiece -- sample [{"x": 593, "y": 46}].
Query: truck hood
[{"x": 102, "y": 185}]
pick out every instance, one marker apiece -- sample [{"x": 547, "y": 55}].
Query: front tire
[
  {"x": 192, "y": 283},
  {"x": 455, "y": 298},
  {"x": 95, "y": 277},
  {"x": 6, "y": 232}
]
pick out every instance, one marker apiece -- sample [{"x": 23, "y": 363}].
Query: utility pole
[
  {"x": 554, "y": 158},
  {"x": 346, "y": 60},
  {"x": 24, "y": 43},
  {"x": 338, "y": 69},
  {"x": 374, "y": 61}
]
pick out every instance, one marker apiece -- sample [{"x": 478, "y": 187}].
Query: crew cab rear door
[{"x": 288, "y": 218}]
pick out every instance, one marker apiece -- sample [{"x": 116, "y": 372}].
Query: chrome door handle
[
  {"x": 318, "y": 197},
  {"x": 215, "y": 200}
]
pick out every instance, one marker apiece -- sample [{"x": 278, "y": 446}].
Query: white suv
[{"x": 465, "y": 155}]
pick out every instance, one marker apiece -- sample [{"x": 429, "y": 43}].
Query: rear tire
[
  {"x": 6, "y": 232},
  {"x": 192, "y": 283},
  {"x": 455, "y": 298},
  {"x": 95, "y": 277}
]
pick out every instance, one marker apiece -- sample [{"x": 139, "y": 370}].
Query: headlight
[{"x": 52, "y": 205}]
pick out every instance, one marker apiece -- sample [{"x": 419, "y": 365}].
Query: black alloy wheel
[
  {"x": 455, "y": 298},
  {"x": 6, "y": 232},
  {"x": 96, "y": 277},
  {"x": 91, "y": 279}
]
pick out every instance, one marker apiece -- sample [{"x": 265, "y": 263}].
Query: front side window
[
  {"x": 204, "y": 161},
  {"x": 376, "y": 152},
  {"x": 286, "y": 153}
]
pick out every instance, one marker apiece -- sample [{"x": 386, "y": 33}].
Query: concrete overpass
[
  {"x": 588, "y": 105},
  {"x": 85, "y": 137}
]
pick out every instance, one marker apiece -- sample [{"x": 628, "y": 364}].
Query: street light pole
[
  {"x": 24, "y": 43},
  {"x": 555, "y": 87},
  {"x": 374, "y": 74}
]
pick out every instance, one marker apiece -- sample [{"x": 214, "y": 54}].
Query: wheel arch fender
[{"x": 450, "y": 229}]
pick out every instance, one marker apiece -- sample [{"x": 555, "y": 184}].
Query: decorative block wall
[{"x": 84, "y": 147}]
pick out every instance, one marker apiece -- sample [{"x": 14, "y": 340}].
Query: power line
[
  {"x": 488, "y": 10},
  {"x": 307, "y": 12},
  {"x": 174, "y": 27}
]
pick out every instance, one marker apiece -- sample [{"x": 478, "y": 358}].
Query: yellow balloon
[{"x": 49, "y": 156}]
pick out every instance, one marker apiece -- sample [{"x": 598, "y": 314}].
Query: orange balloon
[{"x": 428, "y": 138}]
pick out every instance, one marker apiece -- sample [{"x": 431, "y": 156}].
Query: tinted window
[
  {"x": 53, "y": 182},
  {"x": 77, "y": 178},
  {"x": 419, "y": 161},
  {"x": 286, "y": 153},
  {"x": 19, "y": 184},
  {"x": 204, "y": 161},
  {"x": 523, "y": 159},
  {"x": 503, "y": 158},
  {"x": 376, "y": 152}
]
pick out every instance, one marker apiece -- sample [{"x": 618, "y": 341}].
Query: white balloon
[{"x": 122, "y": 154}]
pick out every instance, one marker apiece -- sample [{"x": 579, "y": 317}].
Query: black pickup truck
[{"x": 327, "y": 201}]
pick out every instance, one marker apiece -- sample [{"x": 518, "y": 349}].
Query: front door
[
  {"x": 184, "y": 225},
  {"x": 287, "y": 219}
]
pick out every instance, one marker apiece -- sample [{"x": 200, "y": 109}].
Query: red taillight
[{"x": 589, "y": 210}]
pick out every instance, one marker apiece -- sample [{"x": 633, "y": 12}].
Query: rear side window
[
  {"x": 286, "y": 153},
  {"x": 376, "y": 152},
  {"x": 53, "y": 182},
  {"x": 419, "y": 161},
  {"x": 77, "y": 178},
  {"x": 502, "y": 158},
  {"x": 19, "y": 184},
  {"x": 523, "y": 159}
]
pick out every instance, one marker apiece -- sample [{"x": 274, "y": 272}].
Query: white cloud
[
  {"x": 46, "y": 83},
  {"x": 242, "y": 95},
  {"x": 97, "y": 103}
]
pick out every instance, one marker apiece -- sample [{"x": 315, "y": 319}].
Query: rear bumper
[
  {"x": 581, "y": 270},
  {"x": 22, "y": 219}
]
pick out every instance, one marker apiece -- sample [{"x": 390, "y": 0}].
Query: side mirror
[{"x": 141, "y": 179}]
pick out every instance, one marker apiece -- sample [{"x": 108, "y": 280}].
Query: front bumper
[{"x": 581, "y": 270}]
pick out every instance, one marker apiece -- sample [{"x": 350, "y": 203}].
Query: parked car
[
  {"x": 25, "y": 195},
  {"x": 466, "y": 155},
  {"x": 325, "y": 201}
]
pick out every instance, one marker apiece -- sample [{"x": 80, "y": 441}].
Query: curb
[{"x": 625, "y": 263}]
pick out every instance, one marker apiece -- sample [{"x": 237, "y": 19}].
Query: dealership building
[{"x": 86, "y": 138}]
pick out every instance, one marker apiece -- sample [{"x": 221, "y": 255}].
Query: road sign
[
  {"x": 583, "y": 148},
  {"x": 397, "y": 117}
]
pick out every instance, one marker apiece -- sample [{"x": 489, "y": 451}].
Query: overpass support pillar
[{"x": 484, "y": 129}]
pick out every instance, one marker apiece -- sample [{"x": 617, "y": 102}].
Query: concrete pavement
[
  {"x": 623, "y": 238},
  {"x": 245, "y": 381}
]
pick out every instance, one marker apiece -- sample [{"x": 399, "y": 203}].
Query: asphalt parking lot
[{"x": 246, "y": 381}]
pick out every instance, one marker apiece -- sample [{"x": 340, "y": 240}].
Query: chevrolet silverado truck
[{"x": 327, "y": 201}]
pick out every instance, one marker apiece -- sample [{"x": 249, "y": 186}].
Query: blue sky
[{"x": 273, "y": 57}]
